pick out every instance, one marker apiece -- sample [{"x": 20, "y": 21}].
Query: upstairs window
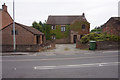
[
  {"x": 83, "y": 26},
  {"x": 53, "y": 27},
  {"x": 62, "y": 28},
  {"x": 16, "y": 32}
]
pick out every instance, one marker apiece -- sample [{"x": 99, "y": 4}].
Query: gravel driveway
[{"x": 63, "y": 49}]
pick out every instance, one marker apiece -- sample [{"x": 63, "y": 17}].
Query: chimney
[
  {"x": 4, "y": 7},
  {"x": 83, "y": 14}
]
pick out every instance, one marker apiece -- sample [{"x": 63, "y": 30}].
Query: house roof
[
  {"x": 63, "y": 19},
  {"x": 115, "y": 20},
  {"x": 30, "y": 29}
]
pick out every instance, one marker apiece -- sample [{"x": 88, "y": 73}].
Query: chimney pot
[
  {"x": 83, "y": 14},
  {"x": 4, "y": 7}
]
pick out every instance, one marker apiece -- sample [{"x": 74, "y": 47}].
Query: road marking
[
  {"x": 76, "y": 66},
  {"x": 14, "y": 68},
  {"x": 110, "y": 51},
  {"x": 63, "y": 58}
]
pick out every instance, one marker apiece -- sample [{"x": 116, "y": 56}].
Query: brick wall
[
  {"x": 107, "y": 45},
  {"x": 101, "y": 45},
  {"x": 82, "y": 46},
  {"x": 29, "y": 48}
]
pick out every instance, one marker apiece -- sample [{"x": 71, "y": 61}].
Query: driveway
[
  {"x": 61, "y": 49},
  {"x": 66, "y": 49}
]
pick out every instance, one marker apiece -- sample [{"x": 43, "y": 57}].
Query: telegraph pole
[
  {"x": 119, "y": 9},
  {"x": 14, "y": 40}
]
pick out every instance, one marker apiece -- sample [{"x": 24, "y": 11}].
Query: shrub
[{"x": 99, "y": 37}]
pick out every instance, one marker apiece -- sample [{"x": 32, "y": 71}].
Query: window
[
  {"x": 16, "y": 32},
  {"x": 53, "y": 27},
  {"x": 62, "y": 28},
  {"x": 83, "y": 26},
  {"x": 53, "y": 37}
]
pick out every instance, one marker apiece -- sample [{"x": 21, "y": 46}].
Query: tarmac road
[{"x": 100, "y": 64}]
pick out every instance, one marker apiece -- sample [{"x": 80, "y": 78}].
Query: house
[
  {"x": 68, "y": 29},
  {"x": 5, "y": 17},
  {"x": 24, "y": 35},
  {"x": 112, "y": 26},
  {"x": 27, "y": 38}
]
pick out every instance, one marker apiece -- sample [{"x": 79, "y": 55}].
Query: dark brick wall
[
  {"x": 82, "y": 46},
  {"x": 107, "y": 45},
  {"x": 101, "y": 45},
  {"x": 28, "y": 48}
]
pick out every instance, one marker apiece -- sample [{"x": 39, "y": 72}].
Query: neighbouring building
[
  {"x": 27, "y": 38},
  {"x": 68, "y": 29},
  {"x": 24, "y": 35},
  {"x": 112, "y": 26},
  {"x": 5, "y": 17}
]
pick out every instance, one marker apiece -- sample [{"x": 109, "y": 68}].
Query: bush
[{"x": 99, "y": 37}]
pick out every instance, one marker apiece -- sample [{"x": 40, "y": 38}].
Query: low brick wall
[
  {"x": 107, "y": 45},
  {"x": 29, "y": 48},
  {"x": 63, "y": 41},
  {"x": 101, "y": 45},
  {"x": 82, "y": 46}
]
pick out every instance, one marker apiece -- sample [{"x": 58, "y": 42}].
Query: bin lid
[{"x": 92, "y": 41}]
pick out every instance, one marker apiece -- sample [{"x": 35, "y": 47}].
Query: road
[{"x": 100, "y": 64}]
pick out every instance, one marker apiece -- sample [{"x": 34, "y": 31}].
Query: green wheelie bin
[{"x": 92, "y": 45}]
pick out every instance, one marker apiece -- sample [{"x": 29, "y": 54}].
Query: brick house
[
  {"x": 68, "y": 29},
  {"x": 27, "y": 38},
  {"x": 5, "y": 18},
  {"x": 24, "y": 35},
  {"x": 112, "y": 26}
]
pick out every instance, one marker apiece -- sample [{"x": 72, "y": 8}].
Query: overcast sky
[{"x": 97, "y": 12}]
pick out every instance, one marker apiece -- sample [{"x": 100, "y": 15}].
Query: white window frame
[
  {"x": 63, "y": 28},
  {"x": 53, "y": 27},
  {"x": 53, "y": 37}
]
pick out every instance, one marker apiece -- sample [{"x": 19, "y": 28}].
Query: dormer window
[
  {"x": 83, "y": 26},
  {"x": 53, "y": 27}
]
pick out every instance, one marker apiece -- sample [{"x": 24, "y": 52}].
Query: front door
[{"x": 75, "y": 38}]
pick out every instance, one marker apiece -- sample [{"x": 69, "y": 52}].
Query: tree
[
  {"x": 47, "y": 33},
  {"x": 43, "y": 27},
  {"x": 37, "y": 26}
]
